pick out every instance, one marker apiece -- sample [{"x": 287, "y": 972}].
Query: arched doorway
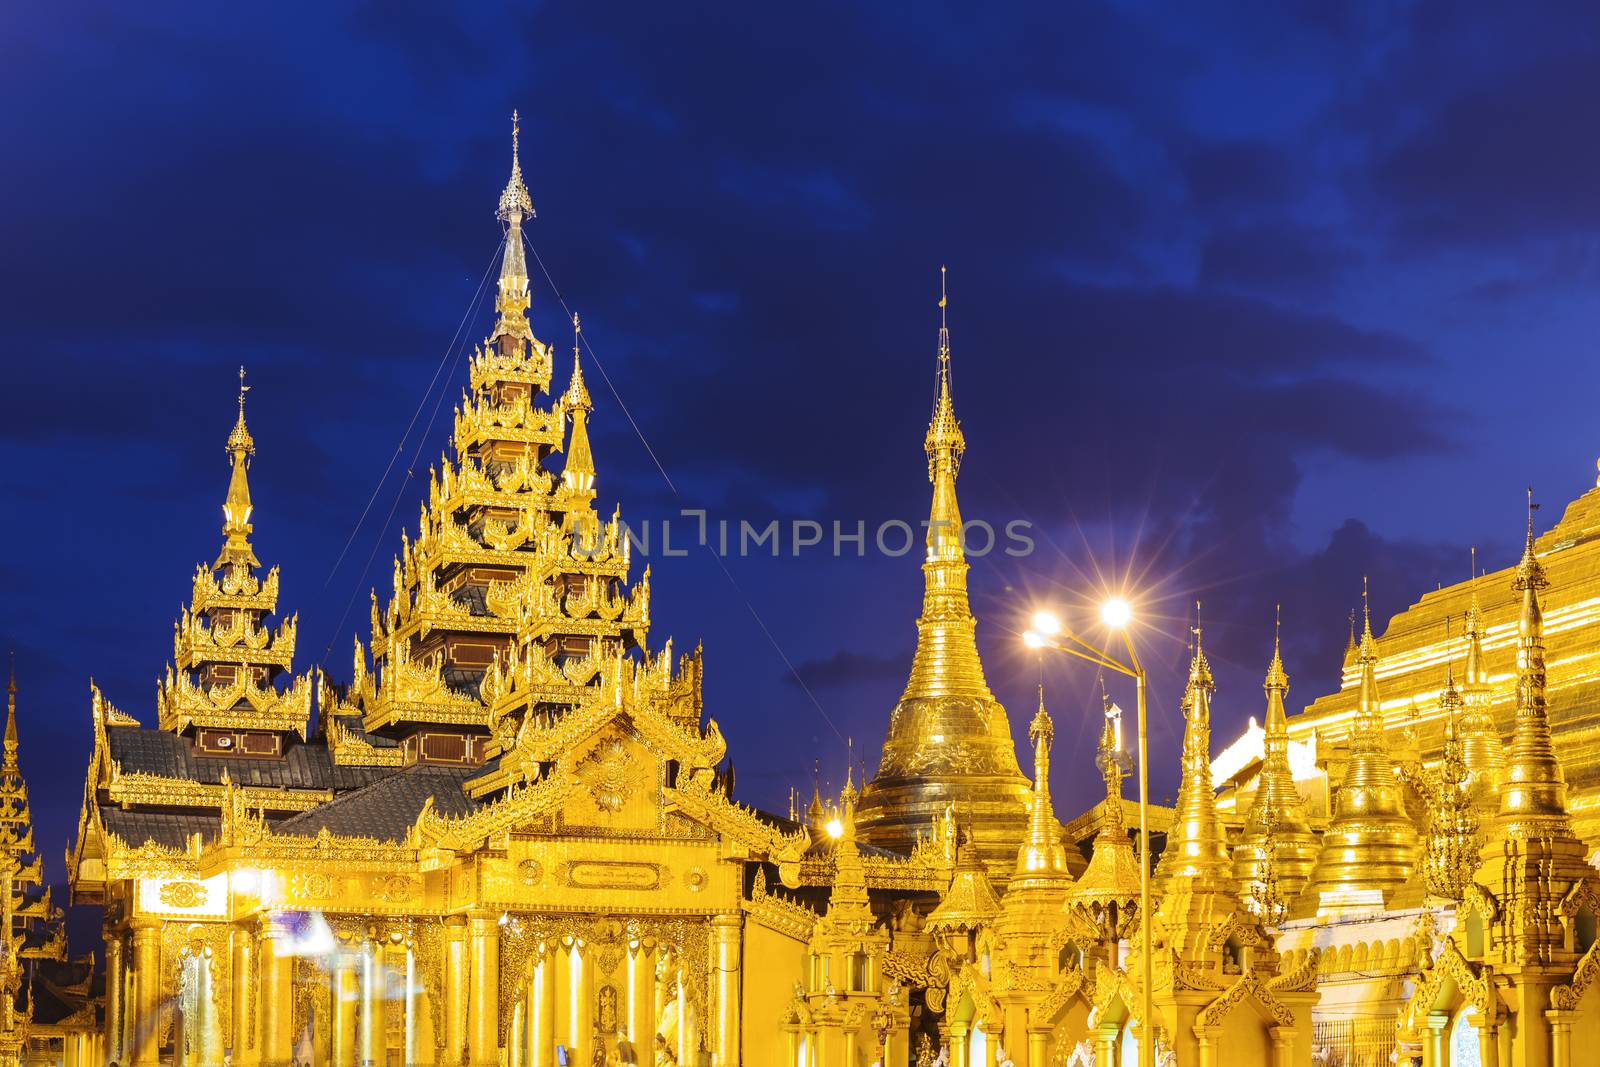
[{"x": 1464, "y": 1047}]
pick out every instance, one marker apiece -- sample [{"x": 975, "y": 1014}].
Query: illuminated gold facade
[{"x": 508, "y": 837}]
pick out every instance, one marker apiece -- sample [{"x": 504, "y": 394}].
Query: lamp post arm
[{"x": 1086, "y": 651}]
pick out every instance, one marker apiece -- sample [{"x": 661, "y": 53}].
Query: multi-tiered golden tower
[
  {"x": 948, "y": 741},
  {"x": 31, "y": 922},
  {"x": 1277, "y": 851},
  {"x": 221, "y": 689}
]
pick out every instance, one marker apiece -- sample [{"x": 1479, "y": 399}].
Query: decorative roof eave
[
  {"x": 879, "y": 872},
  {"x": 241, "y": 642},
  {"x": 696, "y": 798},
  {"x": 779, "y": 913},
  {"x": 159, "y": 790},
  {"x": 533, "y": 366},
  {"x": 519, "y": 805},
  {"x": 149, "y": 860},
  {"x": 243, "y": 705},
  {"x": 388, "y": 713},
  {"x": 238, "y": 589},
  {"x": 350, "y": 750}
]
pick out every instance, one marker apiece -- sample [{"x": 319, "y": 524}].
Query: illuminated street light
[{"x": 1116, "y": 613}]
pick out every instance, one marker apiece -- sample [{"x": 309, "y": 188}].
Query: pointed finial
[
  {"x": 1530, "y": 574},
  {"x": 11, "y": 685},
  {"x": 515, "y": 203},
  {"x": 576, "y": 398},
  {"x": 1199, "y": 669},
  {"x": 944, "y": 442},
  {"x": 944, "y": 326},
  {"x": 1449, "y": 660},
  {"x": 239, "y": 440},
  {"x": 1277, "y": 677}
]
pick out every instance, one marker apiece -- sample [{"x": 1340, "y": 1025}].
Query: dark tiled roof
[
  {"x": 55, "y": 996},
  {"x": 356, "y": 727},
  {"x": 489, "y": 767},
  {"x": 167, "y": 829},
  {"x": 306, "y": 765},
  {"x": 824, "y": 849},
  {"x": 386, "y": 809},
  {"x": 474, "y": 598},
  {"x": 463, "y": 681}
]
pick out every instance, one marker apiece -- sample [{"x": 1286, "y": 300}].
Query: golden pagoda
[
  {"x": 1370, "y": 847},
  {"x": 1276, "y": 844},
  {"x": 1197, "y": 845},
  {"x": 1105, "y": 901},
  {"x": 948, "y": 741}
]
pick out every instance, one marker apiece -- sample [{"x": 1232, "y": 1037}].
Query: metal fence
[{"x": 1357, "y": 1042}]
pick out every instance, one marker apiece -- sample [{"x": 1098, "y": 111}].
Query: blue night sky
[{"x": 1245, "y": 303}]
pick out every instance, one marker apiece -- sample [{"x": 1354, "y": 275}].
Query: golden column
[
  {"x": 276, "y": 994},
  {"x": 345, "y": 996},
  {"x": 371, "y": 1028},
  {"x": 726, "y": 934},
  {"x": 541, "y": 1017},
  {"x": 582, "y": 1001},
  {"x": 455, "y": 993},
  {"x": 114, "y": 1004},
  {"x": 419, "y": 1041},
  {"x": 246, "y": 1041},
  {"x": 483, "y": 1032},
  {"x": 642, "y": 1017},
  {"x": 145, "y": 1023}
]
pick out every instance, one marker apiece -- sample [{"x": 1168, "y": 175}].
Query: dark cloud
[
  {"x": 847, "y": 667},
  {"x": 1176, "y": 291},
  {"x": 1275, "y": 258}
]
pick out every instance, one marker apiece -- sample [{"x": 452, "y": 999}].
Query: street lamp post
[{"x": 1048, "y": 633}]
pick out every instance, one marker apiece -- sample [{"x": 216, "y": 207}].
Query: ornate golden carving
[
  {"x": 612, "y": 874},
  {"x": 182, "y": 894},
  {"x": 610, "y": 773},
  {"x": 394, "y": 888}
]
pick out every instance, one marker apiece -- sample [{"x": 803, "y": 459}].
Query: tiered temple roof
[{"x": 32, "y": 923}]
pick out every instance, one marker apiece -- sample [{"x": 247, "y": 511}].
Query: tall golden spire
[
  {"x": 11, "y": 765},
  {"x": 1453, "y": 840},
  {"x": 948, "y": 739},
  {"x": 1533, "y": 861},
  {"x": 1041, "y": 854},
  {"x": 1481, "y": 748},
  {"x": 1197, "y": 845},
  {"x": 1277, "y": 834},
  {"x": 1107, "y": 893},
  {"x": 1535, "y": 792},
  {"x": 512, "y": 299},
  {"x": 577, "y": 477},
  {"x": 236, "y": 509},
  {"x": 1370, "y": 847}
]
